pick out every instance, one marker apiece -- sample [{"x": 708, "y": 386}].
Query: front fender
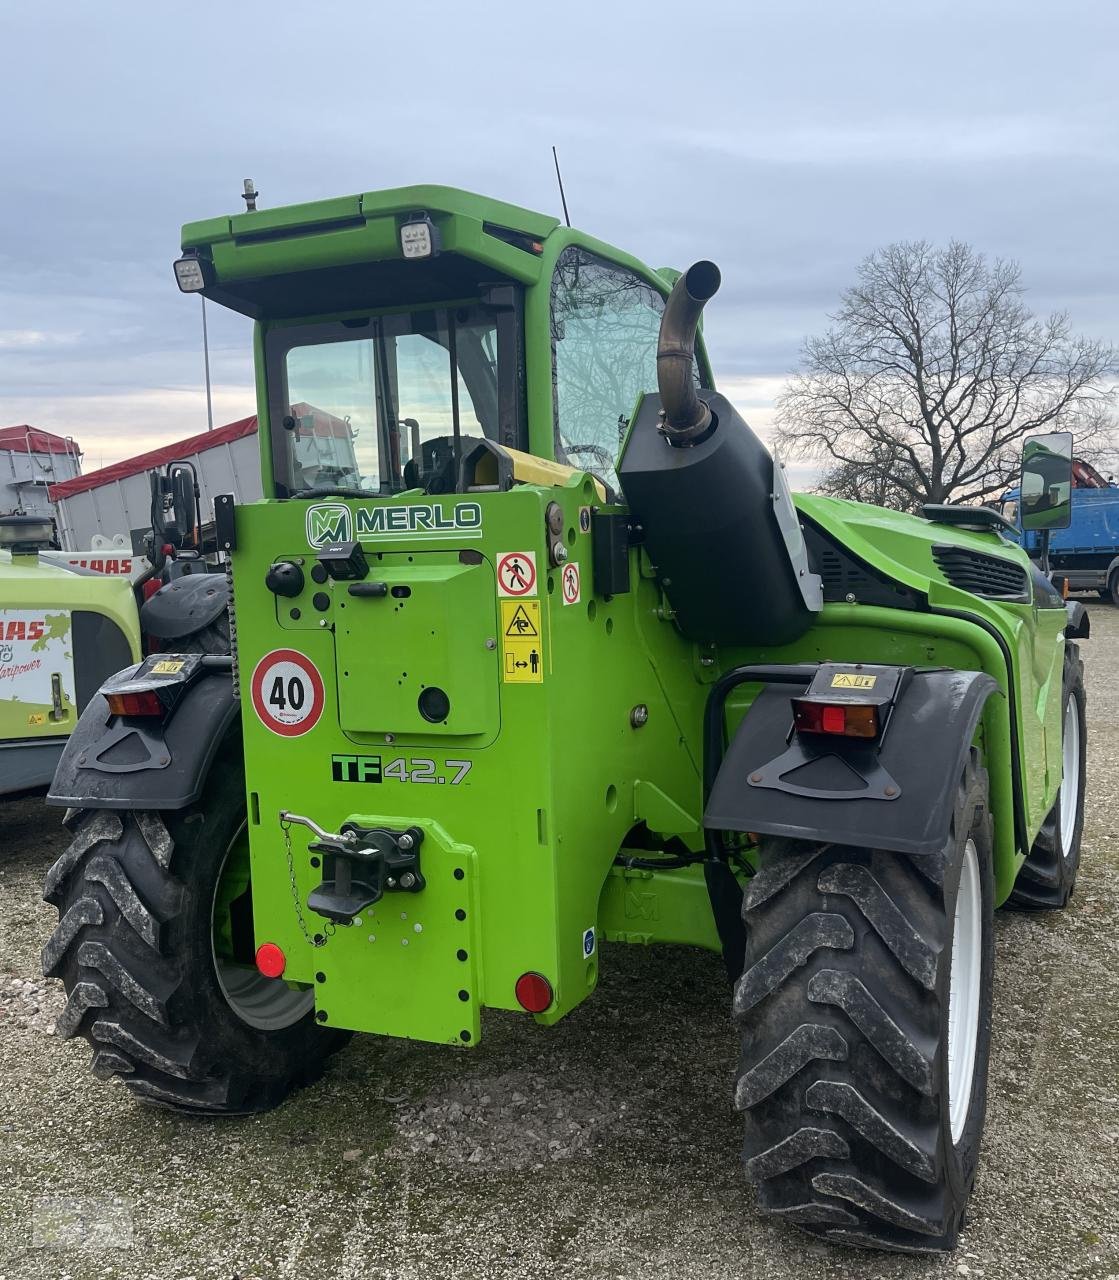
[
  {"x": 136, "y": 762},
  {"x": 922, "y": 756}
]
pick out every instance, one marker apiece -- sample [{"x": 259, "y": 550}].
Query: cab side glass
[
  {"x": 605, "y": 324},
  {"x": 1046, "y": 494}
]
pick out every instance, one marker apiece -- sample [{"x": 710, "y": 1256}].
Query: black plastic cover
[
  {"x": 965, "y": 517},
  {"x": 930, "y": 731},
  {"x": 711, "y": 529},
  {"x": 610, "y": 553},
  {"x": 225, "y": 521},
  {"x": 185, "y": 606},
  {"x": 126, "y": 762}
]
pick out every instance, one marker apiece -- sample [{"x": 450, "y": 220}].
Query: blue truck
[{"x": 1086, "y": 553}]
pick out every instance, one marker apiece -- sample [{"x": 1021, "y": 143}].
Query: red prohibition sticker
[
  {"x": 516, "y": 573},
  {"x": 288, "y": 694},
  {"x": 572, "y": 588}
]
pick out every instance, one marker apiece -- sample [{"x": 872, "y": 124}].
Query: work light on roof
[
  {"x": 419, "y": 238},
  {"x": 190, "y": 274}
]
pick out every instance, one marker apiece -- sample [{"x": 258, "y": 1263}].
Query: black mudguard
[
  {"x": 1079, "y": 621},
  {"x": 134, "y": 762},
  {"x": 898, "y": 796}
]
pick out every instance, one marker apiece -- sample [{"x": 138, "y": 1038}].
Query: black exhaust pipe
[{"x": 685, "y": 415}]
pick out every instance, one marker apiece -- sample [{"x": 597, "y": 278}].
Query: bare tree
[{"x": 932, "y": 372}]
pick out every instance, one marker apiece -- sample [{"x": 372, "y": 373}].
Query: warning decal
[
  {"x": 571, "y": 587},
  {"x": 516, "y": 573},
  {"x": 522, "y": 654},
  {"x": 849, "y": 680},
  {"x": 520, "y": 624},
  {"x": 287, "y": 693}
]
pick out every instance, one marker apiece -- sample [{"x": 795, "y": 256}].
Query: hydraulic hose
[{"x": 685, "y": 414}]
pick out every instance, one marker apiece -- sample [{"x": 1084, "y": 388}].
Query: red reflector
[
  {"x": 144, "y": 703},
  {"x": 534, "y": 992},
  {"x": 270, "y": 960},
  {"x": 833, "y": 720},
  {"x": 845, "y": 719}
]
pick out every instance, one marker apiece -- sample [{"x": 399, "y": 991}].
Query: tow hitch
[{"x": 360, "y": 865}]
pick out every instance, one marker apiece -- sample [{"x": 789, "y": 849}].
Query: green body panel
[
  {"x": 30, "y": 586},
  {"x": 529, "y": 789},
  {"x": 901, "y": 546}
]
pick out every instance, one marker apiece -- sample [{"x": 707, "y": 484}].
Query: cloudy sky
[{"x": 785, "y": 139}]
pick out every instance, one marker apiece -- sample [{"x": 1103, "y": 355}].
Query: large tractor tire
[
  {"x": 865, "y": 1007},
  {"x": 1047, "y": 878},
  {"x": 155, "y": 947}
]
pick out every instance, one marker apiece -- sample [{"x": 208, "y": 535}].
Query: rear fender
[
  {"x": 140, "y": 762},
  {"x": 898, "y": 795}
]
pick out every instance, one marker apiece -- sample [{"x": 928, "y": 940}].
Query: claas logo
[
  {"x": 23, "y": 630},
  {"x": 328, "y": 522}
]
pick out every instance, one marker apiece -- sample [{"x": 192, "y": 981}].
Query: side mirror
[{"x": 1046, "y": 492}]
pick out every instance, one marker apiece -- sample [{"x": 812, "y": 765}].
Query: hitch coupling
[{"x": 360, "y": 865}]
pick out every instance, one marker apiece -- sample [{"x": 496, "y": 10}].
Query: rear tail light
[
  {"x": 841, "y": 719},
  {"x": 144, "y": 703},
  {"x": 534, "y": 992}
]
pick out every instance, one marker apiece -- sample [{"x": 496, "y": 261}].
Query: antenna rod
[
  {"x": 559, "y": 179},
  {"x": 206, "y": 361}
]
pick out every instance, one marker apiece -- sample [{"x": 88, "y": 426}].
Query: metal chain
[
  {"x": 318, "y": 939},
  {"x": 231, "y": 608}
]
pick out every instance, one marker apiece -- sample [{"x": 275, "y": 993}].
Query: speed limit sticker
[{"x": 287, "y": 692}]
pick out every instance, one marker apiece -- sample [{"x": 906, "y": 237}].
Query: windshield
[{"x": 370, "y": 405}]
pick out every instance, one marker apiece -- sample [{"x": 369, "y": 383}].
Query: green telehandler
[{"x": 526, "y": 657}]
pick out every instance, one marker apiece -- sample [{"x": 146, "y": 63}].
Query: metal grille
[{"x": 988, "y": 576}]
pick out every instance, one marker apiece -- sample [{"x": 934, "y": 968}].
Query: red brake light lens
[
  {"x": 840, "y": 719},
  {"x": 144, "y": 703},
  {"x": 534, "y": 992}
]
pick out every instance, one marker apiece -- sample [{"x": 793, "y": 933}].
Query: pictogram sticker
[
  {"x": 849, "y": 680},
  {"x": 572, "y": 591},
  {"x": 585, "y": 519},
  {"x": 287, "y": 693},
  {"x": 516, "y": 573},
  {"x": 521, "y": 625},
  {"x": 522, "y": 651}
]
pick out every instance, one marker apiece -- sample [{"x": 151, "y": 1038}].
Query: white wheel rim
[
  {"x": 963, "y": 992},
  {"x": 1070, "y": 778}
]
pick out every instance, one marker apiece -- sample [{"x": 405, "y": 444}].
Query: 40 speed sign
[{"x": 287, "y": 693}]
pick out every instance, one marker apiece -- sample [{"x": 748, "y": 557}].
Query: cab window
[
  {"x": 368, "y": 405},
  {"x": 605, "y": 322}
]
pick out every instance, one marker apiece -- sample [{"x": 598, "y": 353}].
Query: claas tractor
[
  {"x": 65, "y": 627},
  {"x": 542, "y": 654}
]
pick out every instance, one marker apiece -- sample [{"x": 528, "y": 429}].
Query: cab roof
[{"x": 345, "y": 253}]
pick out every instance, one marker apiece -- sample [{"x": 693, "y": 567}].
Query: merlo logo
[{"x": 328, "y": 522}]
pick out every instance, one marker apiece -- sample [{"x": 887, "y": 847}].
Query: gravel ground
[{"x": 605, "y": 1147}]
